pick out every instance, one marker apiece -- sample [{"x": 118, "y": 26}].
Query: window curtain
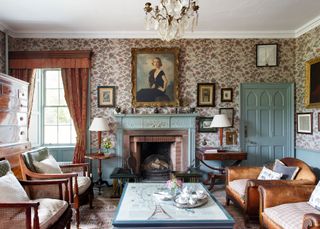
[
  {"x": 75, "y": 84},
  {"x": 27, "y": 75},
  {"x": 75, "y": 65}
]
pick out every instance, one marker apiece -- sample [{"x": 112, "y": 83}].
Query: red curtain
[
  {"x": 27, "y": 75},
  {"x": 75, "y": 83}
]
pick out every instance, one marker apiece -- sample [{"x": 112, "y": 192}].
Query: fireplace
[{"x": 175, "y": 133}]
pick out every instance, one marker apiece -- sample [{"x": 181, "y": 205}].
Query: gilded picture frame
[
  {"x": 312, "y": 83},
  {"x": 154, "y": 75}
]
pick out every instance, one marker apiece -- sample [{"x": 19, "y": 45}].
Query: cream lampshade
[
  {"x": 220, "y": 121},
  {"x": 99, "y": 124}
]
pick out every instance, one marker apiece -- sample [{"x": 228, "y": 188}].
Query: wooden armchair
[
  {"x": 286, "y": 207},
  {"x": 242, "y": 184},
  {"x": 78, "y": 175},
  {"x": 33, "y": 213}
]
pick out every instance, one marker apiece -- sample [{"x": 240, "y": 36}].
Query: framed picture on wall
[
  {"x": 229, "y": 112},
  {"x": 204, "y": 125},
  {"x": 312, "y": 88},
  {"x": 154, "y": 76},
  {"x": 106, "y": 96},
  {"x": 206, "y": 95},
  {"x": 267, "y": 55},
  {"x": 304, "y": 122},
  {"x": 226, "y": 94}
]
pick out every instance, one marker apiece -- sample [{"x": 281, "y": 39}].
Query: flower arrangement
[
  {"x": 107, "y": 144},
  {"x": 174, "y": 183}
]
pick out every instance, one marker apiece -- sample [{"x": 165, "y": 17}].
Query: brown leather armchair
[
  {"x": 34, "y": 212},
  {"x": 286, "y": 207},
  {"x": 244, "y": 191},
  {"x": 78, "y": 175}
]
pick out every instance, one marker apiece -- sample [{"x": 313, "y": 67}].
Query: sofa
[
  {"x": 287, "y": 207},
  {"x": 242, "y": 184}
]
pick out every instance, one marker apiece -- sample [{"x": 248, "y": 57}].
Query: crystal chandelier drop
[{"x": 172, "y": 17}]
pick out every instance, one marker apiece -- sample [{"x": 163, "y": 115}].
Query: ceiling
[{"x": 125, "y": 18}]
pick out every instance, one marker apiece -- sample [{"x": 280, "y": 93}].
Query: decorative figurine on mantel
[{"x": 117, "y": 110}]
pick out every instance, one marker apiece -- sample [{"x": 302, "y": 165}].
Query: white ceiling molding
[
  {"x": 154, "y": 35},
  {"x": 308, "y": 26}
]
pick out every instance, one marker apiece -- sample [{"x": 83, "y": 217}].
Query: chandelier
[{"x": 172, "y": 17}]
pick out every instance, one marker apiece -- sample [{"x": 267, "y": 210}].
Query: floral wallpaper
[
  {"x": 2, "y": 52},
  {"x": 227, "y": 62},
  {"x": 308, "y": 47}
]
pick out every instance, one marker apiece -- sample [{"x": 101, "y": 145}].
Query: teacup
[{"x": 200, "y": 193}]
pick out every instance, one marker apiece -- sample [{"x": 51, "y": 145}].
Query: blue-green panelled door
[{"x": 266, "y": 121}]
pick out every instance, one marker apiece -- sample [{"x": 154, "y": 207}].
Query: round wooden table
[{"x": 100, "y": 156}]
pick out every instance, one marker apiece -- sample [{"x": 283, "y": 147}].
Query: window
[
  {"x": 57, "y": 124},
  {"x": 50, "y": 122}
]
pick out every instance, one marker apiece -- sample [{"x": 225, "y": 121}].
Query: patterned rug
[{"x": 102, "y": 214}]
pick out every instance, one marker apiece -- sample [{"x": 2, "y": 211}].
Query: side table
[
  {"x": 100, "y": 156},
  {"x": 235, "y": 156}
]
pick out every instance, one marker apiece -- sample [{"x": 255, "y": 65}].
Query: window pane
[
  {"x": 63, "y": 116},
  {"x": 62, "y": 99},
  {"x": 64, "y": 134},
  {"x": 50, "y": 135},
  {"x": 60, "y": 80},
  {"x": 50, "y": 116},
  {"x": 52, "y": 79},
  {"x": 52, "y": 97}
]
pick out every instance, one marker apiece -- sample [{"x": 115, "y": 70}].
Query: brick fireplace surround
[{"x": 177, "y": 129}]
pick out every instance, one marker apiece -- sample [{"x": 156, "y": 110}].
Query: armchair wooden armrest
[
  {"x": 311, "y": 221},
  {"x": 27, "y": 206},
  {"x": 85, "y": 168},
  {"x": 236, "y": 173},
  {"x": 274, "y": 195},
  {"x": 58, "y": 182}
]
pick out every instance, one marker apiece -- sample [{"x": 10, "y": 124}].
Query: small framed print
[
  {"x": 267, "y": 55},
  {"x": 231, "y": 137},
  {"x": 106, "y": 96},
  {"x": 304, "y": 121},
  {"x": 229, "y": 112},
  {"x": 226, "y": 94},
  {"x": 204, "y": 125},
  {"x": 206, "y": 95}
]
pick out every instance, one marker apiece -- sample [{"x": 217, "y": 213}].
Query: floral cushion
[
  {"x": 314, "y": 200},
  {"x": 288, "y": 172},
  {"x": 268, "y": 174}
]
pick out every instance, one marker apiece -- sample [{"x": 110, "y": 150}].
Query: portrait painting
[
  {"x": 206, "y": 95},
  {"x": 312, "y": 88},
  {"x": 106, "y": 96},
  {"x": 155, "y": 77}
]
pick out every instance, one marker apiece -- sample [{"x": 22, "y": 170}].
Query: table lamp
[
  {"x": 99, "y": 125},
  {"x": 220, "y": 121}
]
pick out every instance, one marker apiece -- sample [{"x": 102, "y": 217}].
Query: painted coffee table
[{"x": 139, "y": 208}]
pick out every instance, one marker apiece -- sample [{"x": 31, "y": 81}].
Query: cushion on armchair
[
  {"x": 48, "y": 165},
  {"x": 289, "y": 215},
  {"x": 288, "y": 172},
  {"x": 83, "y": 184},
  {"x": 314, "y": 200},
  {"x": 11, "y": 190},
  {"x": 268, "y": 174},
  {"x": 239, "y": 186}
]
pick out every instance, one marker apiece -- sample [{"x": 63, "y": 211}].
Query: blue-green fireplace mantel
[{"x": 161, "y": 122}]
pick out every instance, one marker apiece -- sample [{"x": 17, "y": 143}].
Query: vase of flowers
[
  {"x": 107, "y": 144},
  {"x": 174, "y": 185}
]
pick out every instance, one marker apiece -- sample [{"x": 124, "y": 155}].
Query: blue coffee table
[{"x": 139, "y": 208}]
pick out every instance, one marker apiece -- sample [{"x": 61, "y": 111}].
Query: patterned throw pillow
[
  {"x": 314, "y": 200},
  {"x": 49, "y": 165},
  {"x": 288, "y": 173},
  {"x": 268, "y": 174}
]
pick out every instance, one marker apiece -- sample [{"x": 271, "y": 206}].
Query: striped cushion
[
  {"x": 239, "y": 186},
  {"x": 290, "y": 216}
]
